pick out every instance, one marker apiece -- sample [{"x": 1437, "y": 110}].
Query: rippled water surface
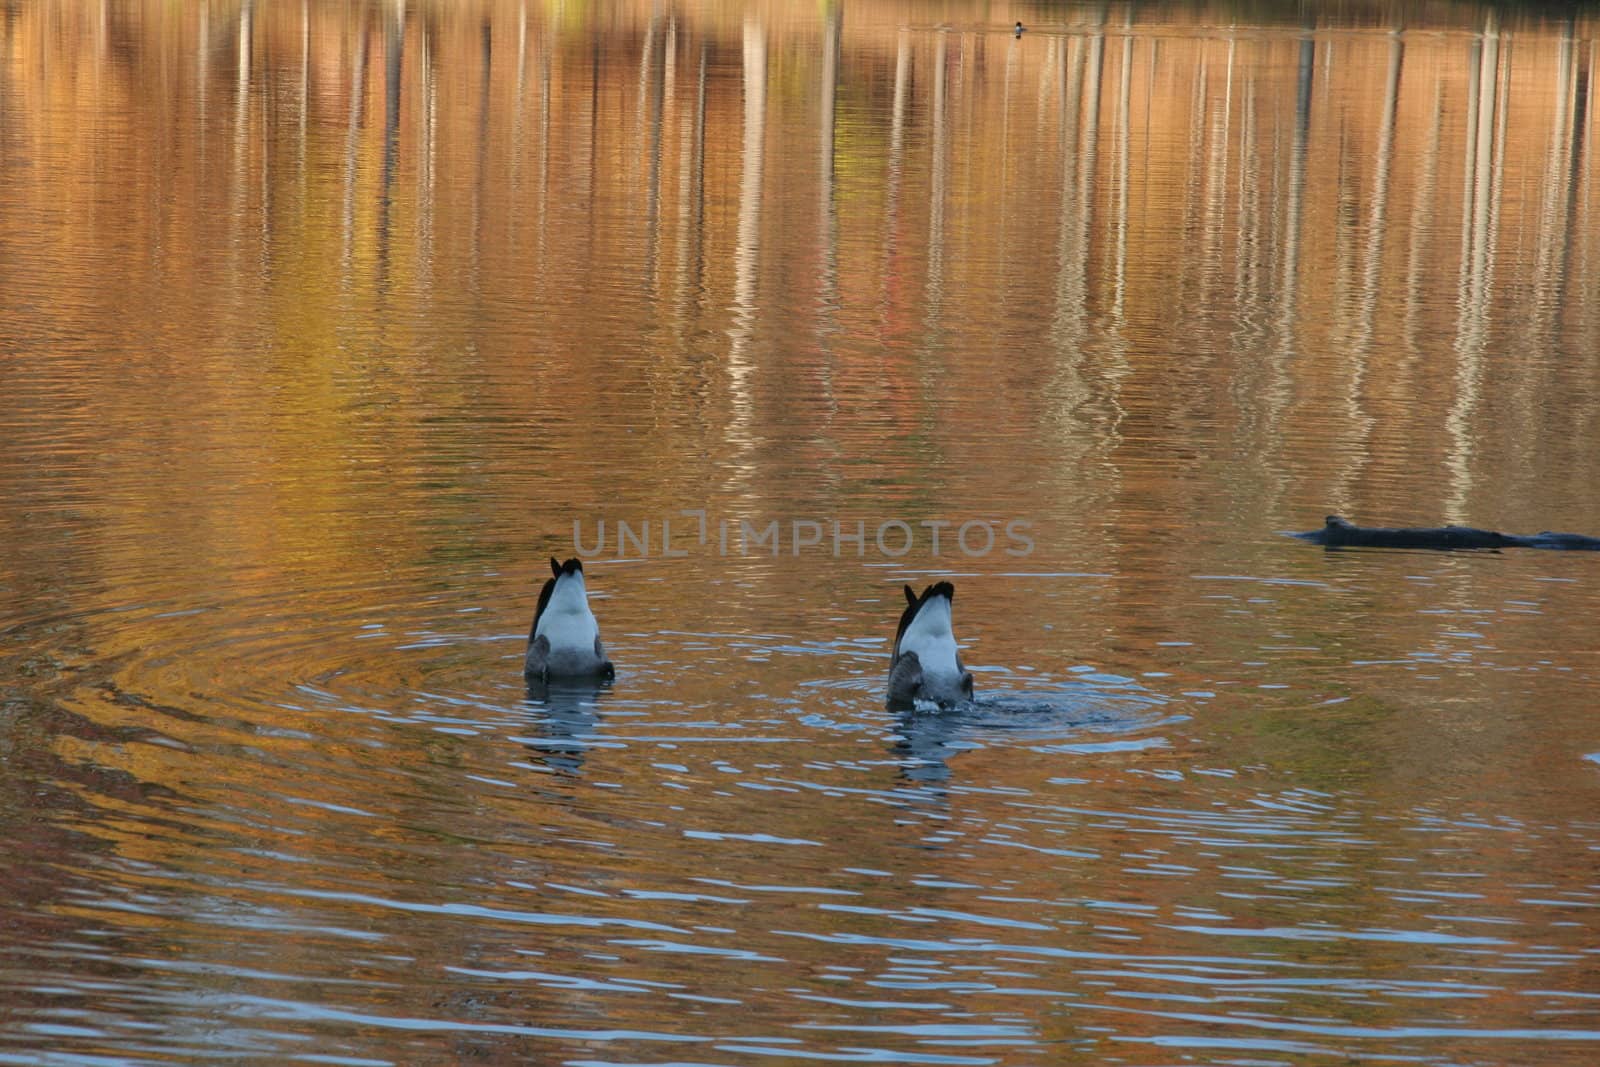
[{"x": 324, "y": 325}]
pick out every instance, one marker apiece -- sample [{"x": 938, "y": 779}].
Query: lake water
[{"x": 324, "y": 325}]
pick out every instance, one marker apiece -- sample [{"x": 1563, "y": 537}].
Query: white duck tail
[
  {"x": 564, "y": 641},
  {"x": 926, "y": 663}
]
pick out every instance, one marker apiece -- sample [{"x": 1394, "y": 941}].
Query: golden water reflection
[{"x": 1352, "y": 253}]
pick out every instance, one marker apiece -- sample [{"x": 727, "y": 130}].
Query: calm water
[{"x": 323, "y": 325}]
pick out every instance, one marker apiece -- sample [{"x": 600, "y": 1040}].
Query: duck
[
  {"x": 925, "y": 663},
  {"x": 564, "y": 641}
]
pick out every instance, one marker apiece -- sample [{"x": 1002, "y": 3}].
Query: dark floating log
[{"x": 1341, "y": 533}]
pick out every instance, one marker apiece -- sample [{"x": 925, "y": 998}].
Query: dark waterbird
[{"x": 1341, "y": 533}]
